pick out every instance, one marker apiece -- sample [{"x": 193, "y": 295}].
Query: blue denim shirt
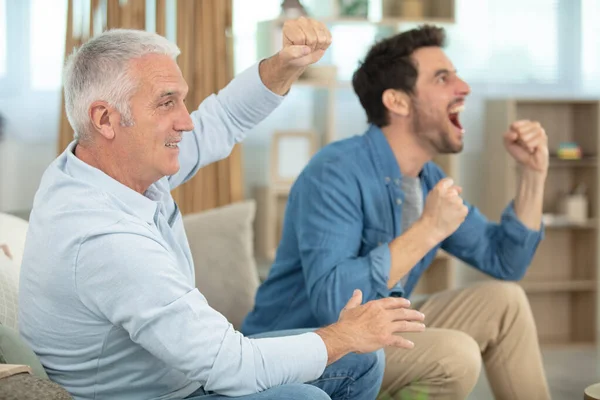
[{"x": 342, "y": 211}]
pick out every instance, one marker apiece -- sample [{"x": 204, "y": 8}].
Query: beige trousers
[{"x": 490, "y": 321}]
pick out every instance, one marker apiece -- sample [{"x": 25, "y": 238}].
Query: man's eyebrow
[
  {"x": 442, "y": 71},
  {"x": 168, "y": 93}
]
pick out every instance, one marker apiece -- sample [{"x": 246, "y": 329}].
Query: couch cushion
[
  {"x": 221, "y": 241},
  {"x": 29, "y": 387},
  {"x": 13, "y": 350},
  {"x": 9, "y": 286}
]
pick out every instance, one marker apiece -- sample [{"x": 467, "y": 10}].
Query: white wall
[{"x": 30, "y": 97}]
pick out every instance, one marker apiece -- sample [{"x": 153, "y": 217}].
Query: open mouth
[
  {"x": 173, "y": 144},
  {"x": 453, "y": 115}
]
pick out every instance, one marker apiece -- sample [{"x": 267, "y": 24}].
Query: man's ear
[
  {"x": 396, "y": 102},
  {"x": 100, "y": 116}
]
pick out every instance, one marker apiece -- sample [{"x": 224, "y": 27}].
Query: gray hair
[{"x": 98, "y": 70}]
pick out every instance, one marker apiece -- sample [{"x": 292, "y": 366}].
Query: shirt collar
[
  {"x": 130, "y": 200},
  {"x": 384, "y": 156}
]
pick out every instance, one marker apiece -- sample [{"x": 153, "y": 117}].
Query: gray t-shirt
[{"x": 412, "y": 207}]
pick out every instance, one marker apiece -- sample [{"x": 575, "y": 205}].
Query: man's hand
[
  {"x": 527, "y": 143},
  {"x": 369, "y": 327},
  {"x": 304, "y": 43},
  {"x": 444, "y": 210}
]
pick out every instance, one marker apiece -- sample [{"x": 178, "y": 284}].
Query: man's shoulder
[
  {"x": 76, "y": 206},
  {"x": 343, "y": 155}
]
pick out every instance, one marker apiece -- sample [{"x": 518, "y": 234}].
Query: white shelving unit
[{"x": 562, "y": 281}]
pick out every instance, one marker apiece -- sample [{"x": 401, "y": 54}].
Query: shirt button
[
  {"x": 387, "y": 179},
  {"x": 397, "y": 182},
  {"x": 398, "y": 201}
]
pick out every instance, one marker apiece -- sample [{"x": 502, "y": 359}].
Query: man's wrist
[
  {"x": 533, "y": 179},
  {"x": 426, "y": 231},
  {"x": 337, "y": 341},
  {"x": 277, "y": 76}
]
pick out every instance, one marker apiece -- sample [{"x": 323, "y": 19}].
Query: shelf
[
  {"x": 556, "y": 162},
  {"x": 560, "y": 286},
  {"x": 281, "y": 190},
  {"x": 386, "y": 21},
  {"x": 562, "y": 281},
  {"x": 591, "y": 224}
]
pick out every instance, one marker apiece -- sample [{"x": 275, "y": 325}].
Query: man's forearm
[
  {"x": 529, "y": 198},
  {"x": 407, "y": 249},
  {"x": 278, "y": 77}
]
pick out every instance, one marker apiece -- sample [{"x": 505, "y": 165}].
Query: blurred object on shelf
[
  {"x": 412, "y": 9},
  {"x": 354, "y": 8},
  {"x": 574, "y": 205},
  {"x": 569, "y": 151}
]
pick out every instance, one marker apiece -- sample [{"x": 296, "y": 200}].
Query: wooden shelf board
[
  {"x": 559, "y": 286},
  {"x": 590, "y": 161},
  {"x": 281, "y": 190},
  {"x": 385, "y": 21},
  {"x": 591, "y": 224},
  {"x": 565, "y": 100},
  {"x": 571, "y": 345}
]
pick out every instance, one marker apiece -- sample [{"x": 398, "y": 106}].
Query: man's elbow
[
  {"x": 512, "y": 272},
  {"x": 230, "y": 387}
]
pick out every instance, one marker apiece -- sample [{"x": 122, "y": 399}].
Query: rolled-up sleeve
[
  {"x": 329, "y": 226},
  {"x": 222, "y": 120},
  {"x": 503, "y": 250},
  {"x": 131, "y": 280}
]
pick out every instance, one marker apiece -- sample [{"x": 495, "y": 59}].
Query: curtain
[{"x": 206, "y": 61}]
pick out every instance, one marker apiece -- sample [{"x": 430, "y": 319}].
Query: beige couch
[{"x": 221, "y": 241}]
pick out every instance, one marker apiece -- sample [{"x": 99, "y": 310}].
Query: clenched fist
[
  {"x": 444, "y": 209},
  {"x": 304, "y": 42},
  {"x": 527, "y": 143}
]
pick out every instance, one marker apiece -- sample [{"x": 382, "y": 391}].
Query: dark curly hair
[{"x": 388, "y": 65}]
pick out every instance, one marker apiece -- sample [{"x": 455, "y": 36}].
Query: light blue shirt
[{"x": 107, "y": 294}]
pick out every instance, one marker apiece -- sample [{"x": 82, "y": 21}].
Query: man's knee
[
  {"x": 297, "y": 391},
  {"x": 368, "y": 366},
  {"x": 460, "y": 362},
  {"x": 506, "y": 296}
]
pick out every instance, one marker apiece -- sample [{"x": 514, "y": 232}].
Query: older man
[{"x": 107, "y": 298}]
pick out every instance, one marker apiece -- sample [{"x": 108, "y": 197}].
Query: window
[
  {"x": 590, "y": 46},
  {"x": 351, "y": 44},
  {"x": 509, "y": 41},
  {"x": 246, "y": 16},
  {"x": 482, "y": 44},
  {"x": 47, "y": 43},
  {"x": 3, "y": 35}
]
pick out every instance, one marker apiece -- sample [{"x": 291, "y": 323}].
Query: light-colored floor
[{"x": 569, "y": 370}]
